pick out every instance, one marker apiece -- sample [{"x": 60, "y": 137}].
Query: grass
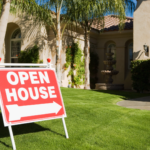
[{"x": 94, "y": 122}]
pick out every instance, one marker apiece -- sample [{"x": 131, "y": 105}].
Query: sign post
[
  {"x": 30, "y": 95},
  {"x": 12, "y": 137}
]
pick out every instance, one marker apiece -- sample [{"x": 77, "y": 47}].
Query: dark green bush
[
  {"x": 94, "y": 62},
  {"x": 29, "y": 55},
  {"x": 140, "y": 70}
]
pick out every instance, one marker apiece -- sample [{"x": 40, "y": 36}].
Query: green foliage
[
  {"x": 41, "y": 61},
  {"x": 94, "y": 62},
  {"x": 32, "y": 9},
  {"x": 30, "y": 55},
  {"x": 140, "y": 70},
  {"x": 75, "y": 59},
  {"x": 1, "y": 4}
]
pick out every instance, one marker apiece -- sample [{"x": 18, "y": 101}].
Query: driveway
[{"x": 138, "y": 103}]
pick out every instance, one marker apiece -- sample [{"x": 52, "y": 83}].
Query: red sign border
[{"x": 34, "y": 120}]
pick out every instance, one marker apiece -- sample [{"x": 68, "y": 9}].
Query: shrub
[
  {"x": 75, "y": 59},
  {"x": 29, "y": 55},
  {"x": 140, "y": 70},
  {"x": 94, "y": 62}
]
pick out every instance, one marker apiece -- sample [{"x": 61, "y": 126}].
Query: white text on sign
[{"x": 31, "y": 92}]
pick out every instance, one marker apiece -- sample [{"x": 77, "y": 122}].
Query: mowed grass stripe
[{"x": 94, "y": 122}]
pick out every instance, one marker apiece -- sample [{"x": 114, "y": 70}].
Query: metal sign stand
[
  {"x": 12, "y": 137},
  {"x": 48, "y": 65}
]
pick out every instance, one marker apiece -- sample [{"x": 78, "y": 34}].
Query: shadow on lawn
[
  {"x": 125, "y": 95},
  {"x": 5, "y": 144},
  {"x": 22, "y": 129}
]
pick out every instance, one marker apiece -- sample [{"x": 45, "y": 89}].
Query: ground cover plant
[
  {"x": 140, "y": 70},
  {"x": 29, "y": 55},
  {"x": 75, "y": 60},
  {"x": 94, "y": 122},
  {"x": 94, "y": 63}
]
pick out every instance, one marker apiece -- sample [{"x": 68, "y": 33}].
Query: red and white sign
[{"x": 29, "y": 95}]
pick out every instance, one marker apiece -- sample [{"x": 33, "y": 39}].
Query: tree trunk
[
  {"x": 58, "y": 49},
  {"x": 3, "y": 25},
  {"x": 87, "y": 58}
]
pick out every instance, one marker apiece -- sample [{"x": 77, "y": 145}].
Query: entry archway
[
  {"x": 15, "y": 46},
  {"x": 13, "y": 34}
]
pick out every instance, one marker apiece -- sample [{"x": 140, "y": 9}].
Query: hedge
[
  {"x": 30, "y": 55},
  {"x": 140, "y": 70},
  {"x": 93, "y": 66}
]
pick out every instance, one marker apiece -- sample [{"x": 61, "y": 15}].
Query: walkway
[{"x": 138, "y": 103}]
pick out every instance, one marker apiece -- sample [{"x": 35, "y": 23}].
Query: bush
[
  {"x": 29, "y": 55},
  {"x": 94, "y": 62},
  {"x": 140, "y": 70},
  {"x": 75, "y": 59}
]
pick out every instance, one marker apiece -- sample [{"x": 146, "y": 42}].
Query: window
[
  {"x": 130, "y": 54},
  {"x": 15, "y": 45}
]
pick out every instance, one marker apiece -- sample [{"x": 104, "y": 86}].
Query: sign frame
[{"x": 45, "y": 66}]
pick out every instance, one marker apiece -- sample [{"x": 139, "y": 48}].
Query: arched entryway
[
  {"x": 12, "y": 43},
  {"x": 15, "y": 46}
]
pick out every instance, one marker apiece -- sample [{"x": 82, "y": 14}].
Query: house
[
  {"x": 127, "y": 44},
  {"x": 121, "y": 43}
]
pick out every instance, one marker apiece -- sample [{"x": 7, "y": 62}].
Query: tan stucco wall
[
  {"x": 68, "y": 38},
  {"x": 120, "y": 38},
  {"x": 31, "y": 33},
  {"x": 141, "y": 29}
]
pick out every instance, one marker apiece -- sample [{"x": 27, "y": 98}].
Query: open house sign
[{"x": 29, "y": 95}]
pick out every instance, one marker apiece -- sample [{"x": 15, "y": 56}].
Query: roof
[{"x": 111, "y": 24}]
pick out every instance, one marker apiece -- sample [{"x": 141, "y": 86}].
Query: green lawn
[{"x": 94, "y": 122}]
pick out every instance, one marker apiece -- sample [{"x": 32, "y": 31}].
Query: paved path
[{"x": 138, "y": 103}]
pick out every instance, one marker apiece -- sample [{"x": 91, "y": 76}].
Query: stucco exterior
[
  {"x": 141, "y": 29},
  {"x": 31, "y": 34},
  {"x": 121, "y": 40}
]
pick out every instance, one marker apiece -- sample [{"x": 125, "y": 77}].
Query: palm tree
[
  {"x": 86, "y": 12},
  {"x": 5, "y": 6},
  {"x": 58, "y": 26}
]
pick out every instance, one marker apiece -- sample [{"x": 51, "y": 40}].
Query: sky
[{"x": 129, "y": 14}]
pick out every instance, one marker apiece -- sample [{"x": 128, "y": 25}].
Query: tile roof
[{"x": 111, "y": 23}]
